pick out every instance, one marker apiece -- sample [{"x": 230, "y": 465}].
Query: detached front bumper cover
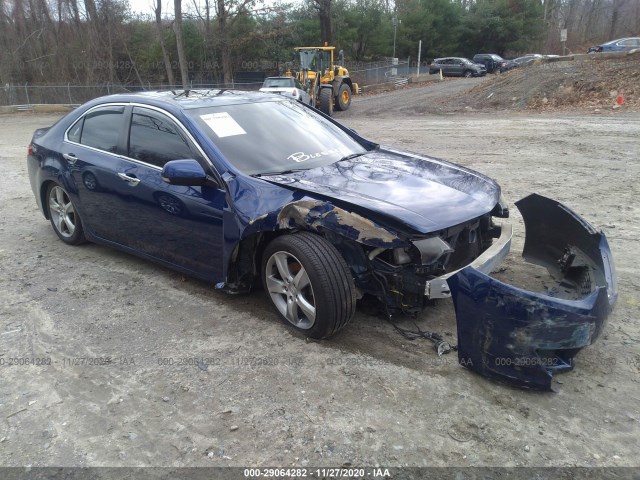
[{"x": 521, "y": 337}]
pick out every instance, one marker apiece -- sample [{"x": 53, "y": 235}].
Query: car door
[
  {"x": 445, "y": 66},
  {"x": 178, "y": 225},
  {"x": 92, "y": 148},
  {"x": 181, "y": 225},
  {"x": 456, "y": 67}
]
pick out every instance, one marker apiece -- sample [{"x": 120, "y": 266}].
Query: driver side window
[{"x": 156, "y": 139}]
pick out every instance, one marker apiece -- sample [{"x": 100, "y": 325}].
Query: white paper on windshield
[{"x": 223, "y": 124}]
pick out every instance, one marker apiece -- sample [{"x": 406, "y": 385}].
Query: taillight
[
  {"x": 294, "y": 92},
  {"x": 30, "y": 149}
]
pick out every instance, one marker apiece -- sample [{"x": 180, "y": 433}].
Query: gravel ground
[{"x": 198, "y": 378}]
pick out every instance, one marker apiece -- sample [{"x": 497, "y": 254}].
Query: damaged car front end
[{"x": 504, "y": 332}]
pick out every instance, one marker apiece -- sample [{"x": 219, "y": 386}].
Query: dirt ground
[
  {"x": 148, "y": 368},
  {"x": 594, "y": 84}
]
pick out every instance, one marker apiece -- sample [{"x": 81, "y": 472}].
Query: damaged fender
[
  {"x": 521, "y": 337},
  {"x": 317, "y": 215}
]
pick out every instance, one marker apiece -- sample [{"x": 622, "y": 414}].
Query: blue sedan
[
  {"x": 247, "y": 190},
  {"x": 618, "y": 45}
]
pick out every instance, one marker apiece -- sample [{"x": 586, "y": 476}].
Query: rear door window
[{"x": 99, "y": 129}]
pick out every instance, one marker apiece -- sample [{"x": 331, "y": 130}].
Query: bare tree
[
  {"x": 182, "y": 57},
  {"x": 227, "y": 12},
  {"x": 163, "y": 46}
]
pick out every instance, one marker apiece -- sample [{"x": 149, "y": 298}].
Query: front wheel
[
  {"x": 63, "y": 216},
  {"x": 309, "y": 284},
  {"x": 344, "y": 97},
  {"x": 467, "y": 74},
  {"x": 326, "y": 101}
]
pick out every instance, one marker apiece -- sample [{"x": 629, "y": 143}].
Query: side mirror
[{"x": 184, "y": 172}]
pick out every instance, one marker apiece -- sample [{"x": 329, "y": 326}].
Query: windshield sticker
[
  {"x": 303, "y": 157},
  {"x": 222, "y": 124}
]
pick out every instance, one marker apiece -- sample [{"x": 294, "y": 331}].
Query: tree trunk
[
  {"x": 163, "y": 46},
  {"x": 324, "y": 13},
  {"x": 182, "y": 57},
  {"x": 225, "y": 47}
]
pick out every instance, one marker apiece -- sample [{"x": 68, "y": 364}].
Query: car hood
[
  {"x": 276, "y": 89},
  {"x": 424, "y": 194}
]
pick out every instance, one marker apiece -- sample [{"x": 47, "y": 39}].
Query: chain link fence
[{"x": 25, "y": 95}]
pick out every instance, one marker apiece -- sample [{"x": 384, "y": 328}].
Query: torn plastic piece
[{"x": 521, "y": 337}]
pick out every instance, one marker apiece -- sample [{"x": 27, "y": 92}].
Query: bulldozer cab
[{"x": 316, "y": 59}]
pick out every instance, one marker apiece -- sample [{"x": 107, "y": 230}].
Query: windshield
[
  {"x": 278, "y": 82},
  {"x": 315, "y": 60},
  {"x": 272, "y": 137}
]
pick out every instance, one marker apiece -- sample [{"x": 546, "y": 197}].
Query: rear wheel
[
  {"x": 326, "y": 101},
  {"x": 344, "y": 97},
  {"x": 309, "y": 284},
  {"x": 63, "y": 216}
]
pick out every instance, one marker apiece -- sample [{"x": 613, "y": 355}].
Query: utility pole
[
  {"x": 395, "y": 30},
  {"x": 419, "y": 53}
]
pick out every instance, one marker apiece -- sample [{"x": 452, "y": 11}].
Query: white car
[{"x": 288, "y": 87}]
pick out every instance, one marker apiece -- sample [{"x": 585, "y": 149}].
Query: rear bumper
[{"x": 521, "y": 337}]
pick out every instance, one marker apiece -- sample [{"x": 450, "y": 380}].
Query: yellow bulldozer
[{"x": 329, "y": 85}]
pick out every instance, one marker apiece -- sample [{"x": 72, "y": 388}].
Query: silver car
[{"x": 288, "y": 87}]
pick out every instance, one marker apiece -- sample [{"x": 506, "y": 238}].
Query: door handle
[
  {"x": 70, "y": 157},
  {"x": 133, "y": 181}
]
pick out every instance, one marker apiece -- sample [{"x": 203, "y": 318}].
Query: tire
[
  {"x": 309, "y": 284},
  {"x": 326, "y": 101},
  {"x": 63, "y": 216},
  {"x": 467, "y": 74},
  {"x": 343, "y": 101}
]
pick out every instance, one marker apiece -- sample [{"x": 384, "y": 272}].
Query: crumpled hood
[{"x": 423, "y": 193}]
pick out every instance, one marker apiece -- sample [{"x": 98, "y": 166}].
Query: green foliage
[
  {"x": 79, "y": 51},
  {"x": 499, "y": 26},
  {"x": 435, "y": 22}
]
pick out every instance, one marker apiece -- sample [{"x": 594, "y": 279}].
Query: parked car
[
  {"x": 619, "y": 45},
  {"x": 288, "y": 87},
  {"x": 492, "y": 62},
  {"x": 522, "y": 61},
  {"x": 456, "y": 67},
  {"x": 262, "y": 191}
]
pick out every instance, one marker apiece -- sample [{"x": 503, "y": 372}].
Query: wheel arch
[
  {"x": 43, "y": 196},
  {"x": 337, "y": 83},
  {"x": 350, "y": 233}
]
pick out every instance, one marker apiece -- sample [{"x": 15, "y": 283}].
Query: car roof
[
  {"x": 450, "y": 58},
  {"x": 189, "y": 99},
  {"x": 487, "y": 55},
  {"x": 279, "y": 78},
  {"x": 620, "y": 39}
]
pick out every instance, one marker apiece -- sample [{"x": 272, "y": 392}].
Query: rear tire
[
  {"x": 308, "y": 282},
  {"x": 326, "y": 101},
  {"x": 63, "y": 216},
  {"x": 343, "y": 100}
]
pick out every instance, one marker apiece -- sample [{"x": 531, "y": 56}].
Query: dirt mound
[{"x": 588, "y": 83}]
